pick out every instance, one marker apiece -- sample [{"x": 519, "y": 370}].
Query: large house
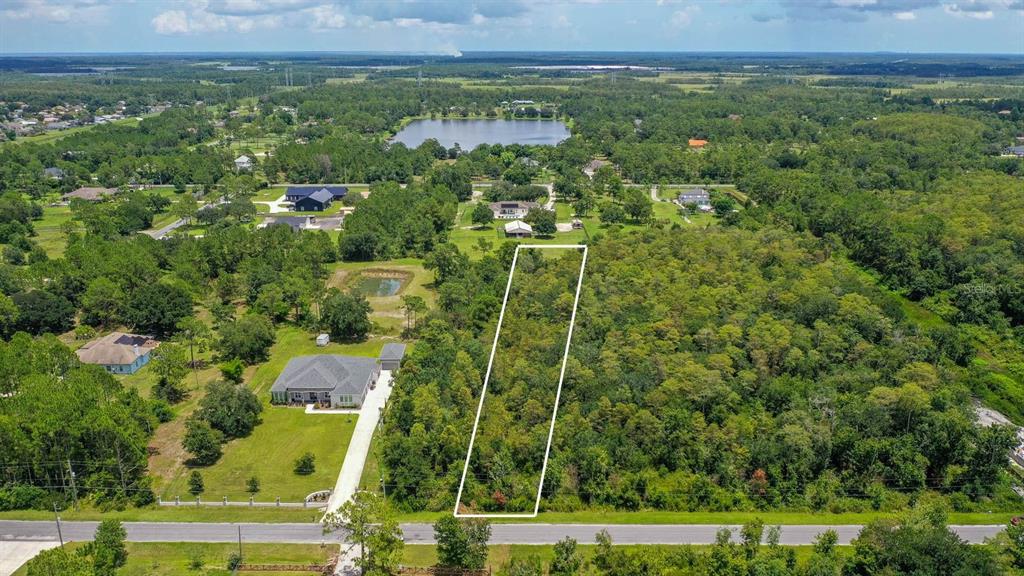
[
  {"x": 118, "y": 353},
  {"x": 698, "y": 196},
  {"x": 512, "y": 210},
  {"x": 296, "y": 193},
  {"x": 331, "y": 379},
  {"x": 314, "y": 198},
  {"x": 91, "y": 194}
]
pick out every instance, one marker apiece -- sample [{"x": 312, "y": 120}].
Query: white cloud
[
  {"x": 327, "y": 17},
  {"x": 970, "y": 9},
  {"x": 905, "y": 16},
  {"x": 60, "y": 11},
  {"x": 171, "y": 22},
  {"x": 683, "y": 18}
]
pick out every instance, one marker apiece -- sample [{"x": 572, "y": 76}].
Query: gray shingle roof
[
  {"x": 392, "y": 351},
  {"x": 343, "y": 374},
  {"x": 322, "y": 195}
]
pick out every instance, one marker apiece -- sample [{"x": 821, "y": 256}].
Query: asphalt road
[{"x": 14, "y": 530}]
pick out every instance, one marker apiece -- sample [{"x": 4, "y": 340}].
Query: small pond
[
  {"x": 471, "y": 133},
  {"x": 378, "y": 286}
]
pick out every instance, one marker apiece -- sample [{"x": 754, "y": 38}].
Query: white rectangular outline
[{"x": 487, "y": 379}]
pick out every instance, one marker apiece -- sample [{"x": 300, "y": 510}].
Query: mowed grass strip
[{"x": 176, "y": 558}]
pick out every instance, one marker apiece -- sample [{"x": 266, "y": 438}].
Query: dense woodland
[
  {"x": 746, "y": 370},
  {"x": 818, "y": 349}
]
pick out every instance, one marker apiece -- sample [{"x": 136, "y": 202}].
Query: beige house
[{"x": 118, "y": 353}]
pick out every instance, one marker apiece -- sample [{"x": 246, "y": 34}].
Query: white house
[{"x": 243, "y": 163}]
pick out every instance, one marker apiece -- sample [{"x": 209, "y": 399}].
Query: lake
[{"x": 471, "y": 133}]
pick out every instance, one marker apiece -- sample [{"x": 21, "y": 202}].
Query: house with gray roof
[
  {"x": 317, "y": 201},
  {"x": 698, "y": 196},
  {"x": 326, "y": 379}
]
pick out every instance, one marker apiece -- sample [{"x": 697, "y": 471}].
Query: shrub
[{"x": 306, "y": 464}]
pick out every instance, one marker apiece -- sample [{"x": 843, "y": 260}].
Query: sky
[{"x": 452, "y": 26}]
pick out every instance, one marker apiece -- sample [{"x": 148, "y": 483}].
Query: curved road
[{"x": 39, "y": 531}]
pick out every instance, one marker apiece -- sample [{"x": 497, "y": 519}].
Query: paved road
[
  {"x": 13, "y": 530},
  {"x": 161, "y": 232}
]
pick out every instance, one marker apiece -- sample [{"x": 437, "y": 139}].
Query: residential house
[
  {"x": 318, "y": 201},
  {"x": 53, "y": 173},
  {"x": 118, "y": 353},
  {"x": 296, "y": 223},
  {"x": 518, "y": 229},
  {"x": 1017, "y": 151},
  {"x": 512, "y": 210},
  {"x": 330, "y": 379},
  {"x": 295, "y": 193},
  {"x": 697, "y": 143},
  {"x": 89, "y": 193},
  {"x": 243, "y": 163},
  {"x": 592, "y": 167},
  {"x": 529, "y": 162},
  {"x": 698, "y": 196},
  {"x": 391, "y": 356}
]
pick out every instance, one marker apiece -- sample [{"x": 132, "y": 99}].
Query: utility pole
[
  {"x": 57, "y": 518},
  {"x": 74, "y": 490},
  {"x": 239, "y": 544}
]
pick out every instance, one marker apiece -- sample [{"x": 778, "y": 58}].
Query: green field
[
  {"x": 176, "y": 558},
  {"x": 284, "y": 434}
]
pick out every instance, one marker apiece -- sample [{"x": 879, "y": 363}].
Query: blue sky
[{"x": 449, "y": 26}]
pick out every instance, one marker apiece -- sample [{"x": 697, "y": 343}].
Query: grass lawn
[
  {"x": 422, "y": 555},
  {"x": 284, "y": 434},
  {"x": 175, "y": 558},
  {"x": 48, "y": 230},
  {"x": 181, "y": 513}
]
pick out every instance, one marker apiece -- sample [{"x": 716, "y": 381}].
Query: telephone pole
[{"x": 60, "y": 536}]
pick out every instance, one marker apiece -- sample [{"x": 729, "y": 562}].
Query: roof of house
[
  {"x": 243, "y": 158},
  {"x": 514, "y": 204},
  {"x": 697, "y": 143},
  {"x": 392, "y": 351},
  {"x": 91, "y": 193},
  {"x": 303, "y": 191},
  {"x": 694, "y": 192},
  {"x": 53, "y": 172},
  {"x": 116, "y": 348},
  {"x": 296, "y": 222},
  {"x": 342, "y": 374},
  {"x": 518, "y": 226},
  {"x": 593, "y": 165},
  {"x": 1015, "y": 150}
]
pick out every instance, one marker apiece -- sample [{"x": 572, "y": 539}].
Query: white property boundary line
[{"x": 487, "y": 378}]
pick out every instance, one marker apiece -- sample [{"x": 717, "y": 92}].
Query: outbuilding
[{"x": 391, "y": 356}]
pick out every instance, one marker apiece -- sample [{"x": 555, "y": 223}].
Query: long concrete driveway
[
  {"x": 359, "y": 445},
  {"x": 418, "y": 533}
]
